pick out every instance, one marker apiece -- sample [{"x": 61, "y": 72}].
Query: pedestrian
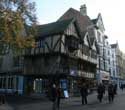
[
  {"x": 58, "y": 91},
  {"x": 103, "y": 88},
  {"x": 100, "y": 91},
  {"x": 122, "y": 87},
  {"x": 53, "y": 97},
  {"x": 2, "y": 97},
  {"x": 115, "y": 89},
  {"x": 84, "y": 94},
  {"x": 110, "y": 92}
]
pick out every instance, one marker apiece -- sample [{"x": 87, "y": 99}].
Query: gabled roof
[
  {"x": 92, "y": 40},
  {"x": 94, "y": 20},
  {"x": 114, "y": 45},
  {"x": 83, "y": 21},
  {"x": 53, "y": 28},
  {"x": 97, "y": 19},
  {"x": 97, "y": 47},
  {"x": 91, "y": 34},
  {"x": 83, "y": 34},
  {"x": 88, "y": 39}
]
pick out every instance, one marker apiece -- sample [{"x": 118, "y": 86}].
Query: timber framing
[{"x": 62, "y": 52}]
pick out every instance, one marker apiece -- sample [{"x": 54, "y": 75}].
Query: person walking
[
  {"x": 53, "y": 97},
  {"x": 2, "y": 97},
  {"x": 84, "y": 94},
  {"x": 58, "y": 91},
  {"x": 100, "y": 91},
  {"x": 103, "y": 88},
  {"x": 115, "y": 89},
  {"x": 122, "y": 87},
  {"x": 110, "y": 92}
]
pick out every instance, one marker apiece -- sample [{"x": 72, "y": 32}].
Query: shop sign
[
  {"x": 105, "y": 76},
  {"x": 73, "y": 71},
  {"x": 66, "y": 95}
]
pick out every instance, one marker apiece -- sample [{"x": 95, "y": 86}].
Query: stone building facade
[{"x": 104, "y": 51}]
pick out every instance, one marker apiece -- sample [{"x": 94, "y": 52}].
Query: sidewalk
[
  {"x": 66, "y": 104},
  {"x": 44, "y": 104},
  {"x": 5, "y": 107}
]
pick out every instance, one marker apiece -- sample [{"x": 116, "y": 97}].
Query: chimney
[{"x": 83, "y": 10}]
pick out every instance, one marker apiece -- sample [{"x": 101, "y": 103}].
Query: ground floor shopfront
[
  {"x": 118, "y": 81},
  {"x": 31, "y": 84},
  {"x": 42, "y": 84},
  {"x": 11, "y": 84}
]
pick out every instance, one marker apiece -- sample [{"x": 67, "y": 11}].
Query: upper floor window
[
  {"x": 113, "y": 72},
  {"x": 108, "y": 52},
  {"x": 99, "y": 36},
  {"x": 1, "y": 61},
  {"x": 109, "y": 61},
  {"x": 40, "y": 43},
  {"x": 85, "y": 50},
  {"x": 93, "y": 54},
  {"x": 101, "y": 64},
  {"x": 110, "y": 71},
  {"x": 100, "y": 50},
  {"x": 71, "y": 42},
  {"x": 107, "y": 43},
  {"x": 112, "y": 56},
  {"x": 17, "y": 61}
]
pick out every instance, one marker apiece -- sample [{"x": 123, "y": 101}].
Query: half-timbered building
[{"x": 62, "y": 55}]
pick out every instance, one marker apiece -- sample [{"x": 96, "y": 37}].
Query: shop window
[
  {"x": 10, "y": 82},
  {"x": 40, "y": 85},
  {"x": 0, "y": 83},
  {"x": 4, "y": 82},
  {"x": 1, "y": 61}
]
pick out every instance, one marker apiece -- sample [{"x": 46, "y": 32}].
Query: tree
[{"x": 17, "y": 25}]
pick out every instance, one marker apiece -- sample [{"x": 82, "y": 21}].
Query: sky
[{"x": 112, "y": 12}]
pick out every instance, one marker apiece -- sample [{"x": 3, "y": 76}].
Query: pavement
[
  {"x": 40, "y": 103},
  {"x": 6, "y": 107}
]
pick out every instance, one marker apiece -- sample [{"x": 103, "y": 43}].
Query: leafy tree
[{"x": 17, "y": 25}]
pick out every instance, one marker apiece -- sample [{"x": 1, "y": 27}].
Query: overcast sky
[{"x": 112, "y": 12}]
